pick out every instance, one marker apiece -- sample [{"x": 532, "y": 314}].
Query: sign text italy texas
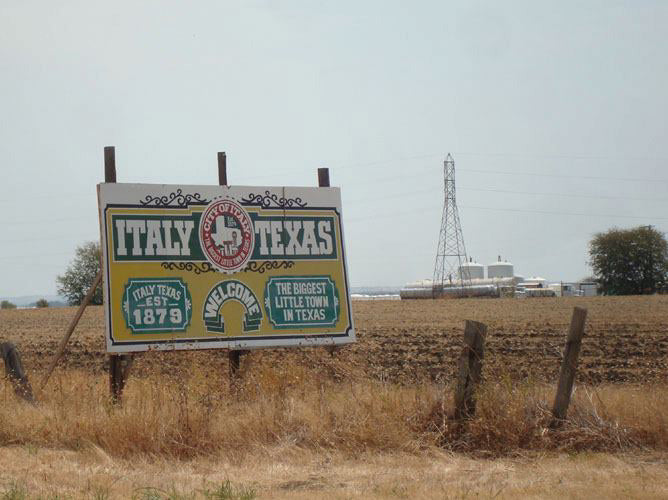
[{"x": 192, "y": 267}]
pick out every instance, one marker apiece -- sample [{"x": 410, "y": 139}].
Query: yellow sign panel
[{"x": 193, "y": 267}]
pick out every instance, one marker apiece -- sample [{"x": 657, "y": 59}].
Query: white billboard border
[{"x": 242, "y": 343}]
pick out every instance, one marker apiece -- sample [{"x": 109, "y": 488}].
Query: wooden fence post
[
  {"x": 569, "y": 366},
  {"x": 470, "y": 368},
  {"x": 15, "y": 372},
  {"x": 117, "y": 372}
]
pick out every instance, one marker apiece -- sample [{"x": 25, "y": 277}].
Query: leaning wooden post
[
  {"x": 70, "y": 329},
  {"x": 117, "y": 372},
  {"x": 569, "y": 366},
  {"x": 470, "y": 368},
  {"x": 15, "y": 372},
  {"x": 109, "y": 176}
]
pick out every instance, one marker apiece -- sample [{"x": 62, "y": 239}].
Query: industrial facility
[
  {"x": 456, "y": 275},
  {"x": 499, "y": 281},
  {"x": 470, "y": 281}
]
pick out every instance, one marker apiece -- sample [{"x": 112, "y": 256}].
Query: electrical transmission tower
[{"x": 450, "y": 270}]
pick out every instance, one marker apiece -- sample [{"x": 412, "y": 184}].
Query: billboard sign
[{"x": 195, "y": 267}]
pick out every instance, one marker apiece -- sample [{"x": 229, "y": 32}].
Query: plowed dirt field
[{"x": 626, "y": 340}]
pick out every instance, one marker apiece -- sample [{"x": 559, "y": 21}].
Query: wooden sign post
[
  {"x": 233, "y": 356},
  {"x": 119, "y": 365}
]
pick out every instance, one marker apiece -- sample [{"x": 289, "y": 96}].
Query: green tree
[
  {"x": 5, "y": 304},
  {"x": 630, "y": 261},
  {"x": 80, "y": 275},
  {"x": 42, "y": 303}
]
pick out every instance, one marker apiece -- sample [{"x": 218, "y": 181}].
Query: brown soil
[{"x": 626, "y": 340}]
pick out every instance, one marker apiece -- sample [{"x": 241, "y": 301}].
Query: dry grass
[
  {"x": 288, "y": 473},
  {"x": 188, "y": 414}
]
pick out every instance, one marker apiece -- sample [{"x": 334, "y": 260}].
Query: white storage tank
[
  {"x": 471, "y": 270},
  {"x": 500, "y": 269}
]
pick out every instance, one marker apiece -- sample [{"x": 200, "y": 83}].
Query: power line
[
  {"x": 41, "y": 222},
  {"x": 63, "y": 196},
  {"x": 568, "y": 195},
  {"x": 385, "y": 162},
  {"x": 407, "y": 195},
  {"x": 525, "y": 155},
  {"x": 578, "y": 214},
  {"x": 497, "y": 209},
  {"x": 402, "y": 176},
  {"x": 560, "y": 156},
  {"x": 38, "y": 256},
  {"x": 507, "y": 191},
  {"x": 49, "y": 238},
  {"x": 567, "y": 176}
]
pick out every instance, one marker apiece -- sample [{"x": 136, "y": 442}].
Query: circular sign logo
[{"x": 226, "y": 235}]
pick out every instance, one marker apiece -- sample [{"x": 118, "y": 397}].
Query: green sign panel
[
  {"x": 302, "y": 301},
  {"x": 160, "y": 237},
  {"x": 156, "y": 305},
  {"x": 231, "y": 290}
]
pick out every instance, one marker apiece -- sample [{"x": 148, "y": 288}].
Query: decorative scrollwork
[
  {"x": 194, "y": 267},
  {"x": 174, "y": 199},
  {"x": 254, "y": 267},
  {"x": 269, "y": 200},
  {"x": 205, "y": 267}
]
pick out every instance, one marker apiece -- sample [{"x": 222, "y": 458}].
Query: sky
[{"x": 555, "y": 114}]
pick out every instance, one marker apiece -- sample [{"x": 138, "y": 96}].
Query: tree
[
  {"x": 5, "y": 304},
  {"x": 80, "y": 275},
  {"x": 630, "y": 261},
  {"x": 42, "y": 303}
]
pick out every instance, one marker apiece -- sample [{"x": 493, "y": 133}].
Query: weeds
[
  {"x": 189, "y": 415},
  {"x": 227, "y": 491},
  {"x": 15, "y": 491}
]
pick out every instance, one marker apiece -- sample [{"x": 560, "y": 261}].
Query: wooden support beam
[
  {"x": 222, "y": 168},
  {"x": 569, "y": 366},
  {"x": 109, "y": 164},
  {"x": 235, "y": 363},
  {"x": 323, "y": 181},
  {"x": 117, "y": 372},
  {"x": 234, "y": 356},
  {"x": 15, "y": 372},
  {"x": 470, "y": 369},
  {"x": 117, "y": 375}
]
